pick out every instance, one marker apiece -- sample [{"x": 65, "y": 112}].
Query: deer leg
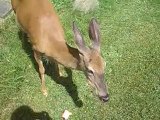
[
  {"x": 37, "y": 57},
  {"x": 58, "y": 69}
]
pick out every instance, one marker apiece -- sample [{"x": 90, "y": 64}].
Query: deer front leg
[
  {"x": 37, "y": 57},
  {"x": 59, "y": 69}
]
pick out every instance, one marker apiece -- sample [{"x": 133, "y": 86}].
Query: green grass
[{"x": 130, "y": 32}]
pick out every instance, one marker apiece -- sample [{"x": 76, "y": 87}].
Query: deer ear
[
  {"x": 94, "y": 34},
  {"x": 79, "y": 39}
]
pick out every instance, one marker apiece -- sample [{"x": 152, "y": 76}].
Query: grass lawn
[{"x": 130, "y": 33}]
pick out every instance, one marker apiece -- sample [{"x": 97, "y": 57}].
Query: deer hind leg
[{"x": 37, "y": 57}]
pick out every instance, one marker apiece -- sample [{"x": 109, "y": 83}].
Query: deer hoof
[
  {"x": 60, "y": 74},
  {"x": 45, "y": 93}
]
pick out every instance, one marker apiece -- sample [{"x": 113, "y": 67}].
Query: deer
[{"x": 40, "y": 21}]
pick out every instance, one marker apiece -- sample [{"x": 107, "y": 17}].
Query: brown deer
[{"x": 41, "y": 23}]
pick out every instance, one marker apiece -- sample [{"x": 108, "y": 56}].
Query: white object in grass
[
  {"x": 85, "y": 5},
  {"x": 66, "y": 114}
]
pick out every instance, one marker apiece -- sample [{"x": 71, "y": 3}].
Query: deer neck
[{"x": 67, "y": 56}]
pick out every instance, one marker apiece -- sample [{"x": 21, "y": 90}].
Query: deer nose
[{"x": 104, "y": 98}]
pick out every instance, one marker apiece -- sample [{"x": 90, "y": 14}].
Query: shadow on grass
[
  {"x": 26, "y": 113},
  {"x": 67, "y": 82},
  {"x": 50, "y": 70}
]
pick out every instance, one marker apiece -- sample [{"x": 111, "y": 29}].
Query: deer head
[{"x": 94, "y": 65}]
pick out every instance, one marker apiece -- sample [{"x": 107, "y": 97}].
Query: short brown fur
[{"x": 40, "y": 21}]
